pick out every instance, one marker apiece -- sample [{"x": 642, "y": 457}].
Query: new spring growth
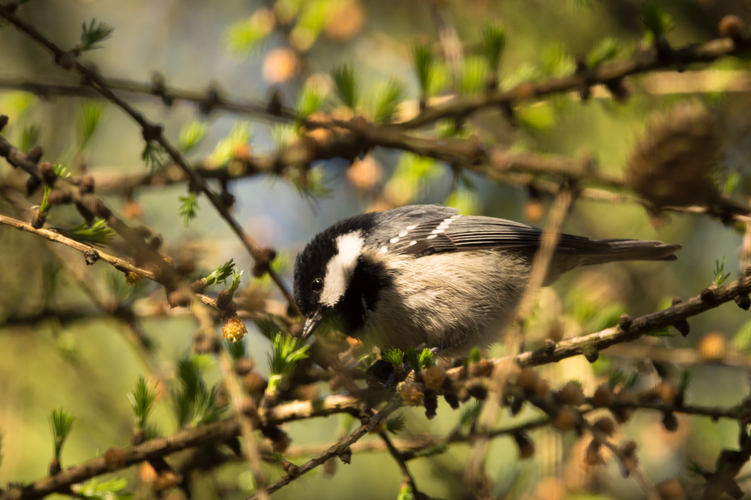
[
  {"x": 284, "y": 355},
  {"x": 97, "y": 234},
  {"x": 59, "y": 171},
  {"x": 388, "y": 97},
  {"x": 30, "y": 142},
  {"x": 235, "y": 283},
  {"x": 153, "y": 155},
  {"x": 719, "y": 272},
  {"x": 236, "y": 351},
  {"x": 191, "y": 135},
  {"x": 194, "y": 402},
  {"x": 396, "y": 424},
  {"x": 188, "y": 207},
  {"x": 61, "y": 422},
  {"x": 396, "y": 358},
  {"x": 89, "y": 117},
  {"x": 626, "y": 382},
  {"x": 94, "y": 33},
  {"x": 413, "y": 358},
  {"x": 406, "y": 492},
  {"x": 493, "y": 43},
  {"x": 607, "y": 50},
  {"x": 142, "y": 401},
  {"x": 418, "y": 361},
  {"x": 656, "y": 21},
  {"x": 470, "y": 414},
  {"x": 346, "y": 84},
  {"x": 219, "y": 275},
  {"x": 393, "y": 356},
  {"x": 309, "y": 100},
  {"x": 474, "y": 75},
  {"x": 207, "y": 409},
  {"x": 422, "y": 56}
]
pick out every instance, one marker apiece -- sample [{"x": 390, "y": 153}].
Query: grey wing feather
[{"x": 447, "y": 232}]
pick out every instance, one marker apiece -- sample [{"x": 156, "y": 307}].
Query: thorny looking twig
[
  {"x": 135, "y": 334},
  {"x": 116, "y": 262}
]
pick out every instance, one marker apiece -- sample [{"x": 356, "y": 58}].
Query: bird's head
[{"x": 324, "y": 272}]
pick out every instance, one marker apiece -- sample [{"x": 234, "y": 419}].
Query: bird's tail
[{"x": 619, "y": 250}]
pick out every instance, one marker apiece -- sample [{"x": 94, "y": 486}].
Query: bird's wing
[{"x": 452, "y": 232}]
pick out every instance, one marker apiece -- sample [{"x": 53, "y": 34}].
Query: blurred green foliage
[{"x": 89, "y": 367}]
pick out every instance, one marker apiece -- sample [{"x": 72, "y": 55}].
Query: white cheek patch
[{"x": 340, "y": 267}]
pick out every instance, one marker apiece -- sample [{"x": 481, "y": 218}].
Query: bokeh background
[{"x": 89, "y": 365}]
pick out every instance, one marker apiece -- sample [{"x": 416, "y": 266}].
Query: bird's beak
[{"x": 311, "y": 323}]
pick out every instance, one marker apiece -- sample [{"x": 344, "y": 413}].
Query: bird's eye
[{"x": 317, "y": 285}]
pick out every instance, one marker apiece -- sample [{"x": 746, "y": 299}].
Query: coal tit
[{"x": 425, "y": 275}]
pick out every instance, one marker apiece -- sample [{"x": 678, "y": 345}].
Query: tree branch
[{"x": 640, "y": 62}]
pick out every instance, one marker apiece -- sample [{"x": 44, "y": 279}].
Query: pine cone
[{"x": 673, "y": 162}]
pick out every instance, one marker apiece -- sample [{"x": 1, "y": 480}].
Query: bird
[{"x": 424, "y": 275}]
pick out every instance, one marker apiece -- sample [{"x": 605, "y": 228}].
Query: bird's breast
[{"x": 453, "y": 301}]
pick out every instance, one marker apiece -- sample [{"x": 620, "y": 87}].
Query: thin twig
[
  {"x": 87, "y": 250},
  {"x": 540, "y": 269},
  {"x": 342, "y": 447},
  {"x": 138, "y": 90},
  {"x": 401, "y": 462},
  {"x": 683, "y": 356},
  {"x": 116, "y": 262},
  {"x": 631, "y": 467}
]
